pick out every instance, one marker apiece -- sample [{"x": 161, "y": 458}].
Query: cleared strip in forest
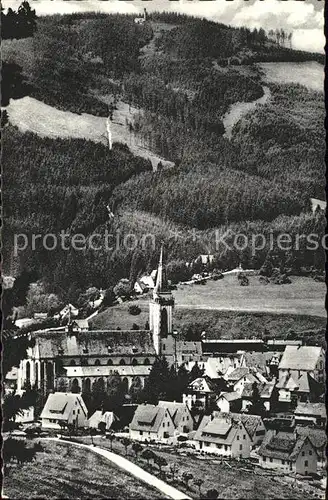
[{"x": 31, "y": 115}]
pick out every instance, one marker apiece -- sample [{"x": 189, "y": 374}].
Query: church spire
[{"x": 159, "y": 277}]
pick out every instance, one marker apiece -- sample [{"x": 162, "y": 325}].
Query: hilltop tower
[{"x": 161, "y": 309}]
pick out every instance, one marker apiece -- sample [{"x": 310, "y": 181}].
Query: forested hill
[
  {"x": 183, "y": 74},
  {"x": 201, "y": 39}
]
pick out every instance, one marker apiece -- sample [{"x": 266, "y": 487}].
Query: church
[{"x": 71, "y": 359}]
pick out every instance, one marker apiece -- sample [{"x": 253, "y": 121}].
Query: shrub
[{"x": 134, "y": 310}]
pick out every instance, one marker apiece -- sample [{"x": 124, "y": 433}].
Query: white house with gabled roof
[
  {"x": 151, "y": 423},
  {"x": 223, "y": 435},
  {"x": 63, "y": 409}
]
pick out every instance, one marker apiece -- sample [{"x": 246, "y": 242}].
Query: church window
[
  {"x": 109, "y": 362},
  {"x": 164, "y": 324},
  {"x": 97, "y": 362},
  {"x": 146, "y": 362},
  {"x": 134, "y": 362},
  {"x": 122, "y": 362},
  {"x": 75, "y": 388},
  {"x": 28, "y": 371},
  {"x": 87, "y": 385},
  {"x": 72, "y": 363}
]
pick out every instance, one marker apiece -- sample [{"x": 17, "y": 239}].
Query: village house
[
  {"x": 68, "y": 310},
  {"x": 229, "y": 402},
  {"x": 253, "y": 424},
  {"x": 151, "y": 423},
  {"x": 106, "y": 418},
  {"x": 288, "y": 452},
  {"x": 268, "y": 395},
  {"x": 144, "y": 284},
  {"x": 219, "y": 365},
  {"x": 25, "y": 416},
  {"x": 266, "y": 362},
  {"x": 311, "y": 413},
  {"x": 64, "y": 409},
  {"x": 293, "y": 389},
  {"x": 141, "y": 20},
  {"x": 180, "y": 414},
  {"x": 298, "y": 360},
  {"x": 318, "y": 439},
  {"x": 238, "y": 378},
  {"x": 202, "y": 392},
  {"x": 224, "y": 436}
]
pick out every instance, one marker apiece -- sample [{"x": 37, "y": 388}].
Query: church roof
[{"x": 94, "y": 343}]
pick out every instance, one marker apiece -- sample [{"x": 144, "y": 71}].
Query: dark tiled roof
[
  {"x": 251, "y": 422},
  {"x": 264, "y": 389},
  {"x": 317, "y": 437},
  {"x": 237, "y": 374},
  {"x": 230, "y": 396},
  {"x": 94, "y": 343},
  {"x": 283, "y": 445}
]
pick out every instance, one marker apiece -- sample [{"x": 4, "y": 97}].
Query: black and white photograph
[{"x": 163, "y": 249}]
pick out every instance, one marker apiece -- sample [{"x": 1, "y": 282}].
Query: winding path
[
  {"x": 240, "y": 109},
  {"x": 131, "y": 468}
]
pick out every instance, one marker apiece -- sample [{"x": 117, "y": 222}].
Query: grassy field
[
  {"x": 234, "y": 481},
  {"x": 302, "y": 296},
  {"x": 63, "y": 471},
  {"x": 227, "y": 310}
]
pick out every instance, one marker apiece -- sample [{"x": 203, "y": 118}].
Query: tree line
[{"x": 18, "y": 24}]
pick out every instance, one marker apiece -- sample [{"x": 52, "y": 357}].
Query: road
[{"x": 133, "y": 469}]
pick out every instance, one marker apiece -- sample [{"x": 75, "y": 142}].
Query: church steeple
[
  {"x": 161, "y": 282},
  {"x": 161, "y": 307}
]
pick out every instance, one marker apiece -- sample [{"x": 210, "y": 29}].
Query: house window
[
  {"x": 163, "y": 424},
  {"x": 283, "y": 462},
  {"x": 244, "y": 436},
  {"x": 240, "y": 447},
  {"x": 78, "y": 411},
  {"x": 97, "y": 362},
  {"x": 73, "y": 412},
  {"x": 306, "y": 463},
  {"x": 237, "y": 438},
  {"x": 225, "y": 447},
  {"x": 310, "y": 452},
  {"x": 163, "y": 347},
  {"x": 264, "y": 459},
  {"x": 303, "y": 453},
  {"x": 271, "y": 460},
  {"x": 141, "y": 433}
]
